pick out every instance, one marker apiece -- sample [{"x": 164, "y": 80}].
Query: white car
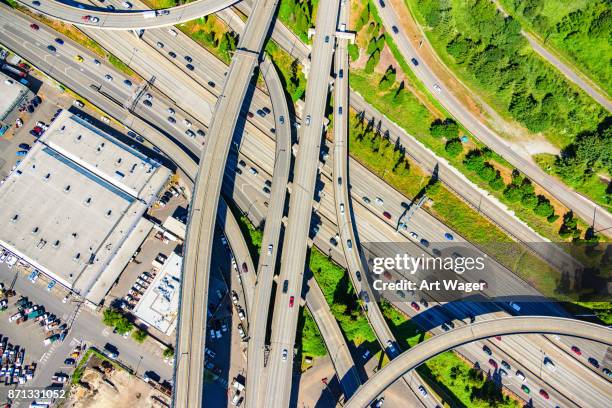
[
  {"x": 2, "y": 257},
  {"x": 270, "y": 247},
  {"x": 186, "y": 123},
  {"x": 414, "y": 235},
  {"x": 437, "y": 88},
  {"x": 94, "y": 19},
  {"x": 379, "y": 201},
  {"x": 172, "y": 32},
  {"x": 285, "y": 354},
  {"x": 126, "y": 5},
  {"x": 108, "y": 78},
  {"x": 341, "y": 208},
  {"x": 105, "y": 119},
  {"x": 423, "y": 391}
]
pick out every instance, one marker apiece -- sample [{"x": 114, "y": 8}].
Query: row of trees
[
  {"x": 392, "y": 153},
  {"x": 115, "y": 319}
]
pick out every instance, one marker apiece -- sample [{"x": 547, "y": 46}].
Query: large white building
[{"x": 73, "y": 208}]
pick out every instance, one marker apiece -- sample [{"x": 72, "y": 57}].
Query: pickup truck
[{"x": 51, "y": 339}]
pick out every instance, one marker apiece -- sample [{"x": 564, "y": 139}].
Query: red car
[
  {"x": 34, "y": 26},
  {"x": 250, "y": 114},
  {"x": 493, "y": 363},
  {"x": 387, "y": 215},
  {"x": 498, "y": 338},
  {"x": 544, "y": 394},
  {"x": 291, "y": 300},
  {"x": 576, "y": 350},
  {"x": 415, "y": 306}
]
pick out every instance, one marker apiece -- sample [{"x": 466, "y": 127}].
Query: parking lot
[
  {"x": 30, "y": 334},
  {"x": 51, "y": 100}
]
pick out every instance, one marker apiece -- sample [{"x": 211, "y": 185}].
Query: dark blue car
[{"x": 51, "y": 48}]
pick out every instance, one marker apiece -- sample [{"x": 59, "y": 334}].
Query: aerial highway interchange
[{"x": 309, "y": 176}]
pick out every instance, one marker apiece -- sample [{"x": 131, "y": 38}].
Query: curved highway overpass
[
  {"x": 96, "y": 17},
  {"x": 443, "y": 342},
  {"x": 293, "y": 258},
  {"x": 198, "y": 251},
  {"x": 271, "y": 234}
]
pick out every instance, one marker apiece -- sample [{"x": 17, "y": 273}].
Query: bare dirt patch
[{"x": 104, "y": 386}]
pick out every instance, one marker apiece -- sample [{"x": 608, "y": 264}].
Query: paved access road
[
  {"x": 582, "y": 206},
  {"x": 443, "y": 342},
  {"x": 105, "y": 19},
  {"x": 293, "y": 258}
]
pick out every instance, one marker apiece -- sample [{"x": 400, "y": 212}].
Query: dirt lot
[{"x": 103, "y": 386}]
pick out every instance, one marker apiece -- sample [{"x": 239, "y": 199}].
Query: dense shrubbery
[
  {"x": 298, "y": 14},
  {"x": 447, "y": 128},
  {"x": 589, "y": 154},
  {"x": 490, "y": 49},
  {"x": 454, "y": 147},
  {"x": 581, "y": 31}
]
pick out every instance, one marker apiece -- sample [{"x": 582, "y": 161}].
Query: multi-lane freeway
[
  {"x": 202, "y": 215},
  {"x": 293, "y": 257},
  {"x": 138, "y": 121},
  {"x": 271, "y": 235}
]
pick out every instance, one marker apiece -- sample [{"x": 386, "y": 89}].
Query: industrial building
[
  {"x": 159, "y": 304},
  {"x": 13, "y": 94},
  {"x": 73, "y": 208}
]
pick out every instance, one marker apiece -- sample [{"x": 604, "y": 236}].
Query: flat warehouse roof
[
  {"x": 100, "y": 153},
  {"x": 67, "y": 217}
]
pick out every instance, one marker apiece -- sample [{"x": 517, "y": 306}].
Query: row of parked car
[
  {"x": 12, "y": 367},
  {"x": 138, "y": 288},
  {"x": 53, "y": 327}
]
